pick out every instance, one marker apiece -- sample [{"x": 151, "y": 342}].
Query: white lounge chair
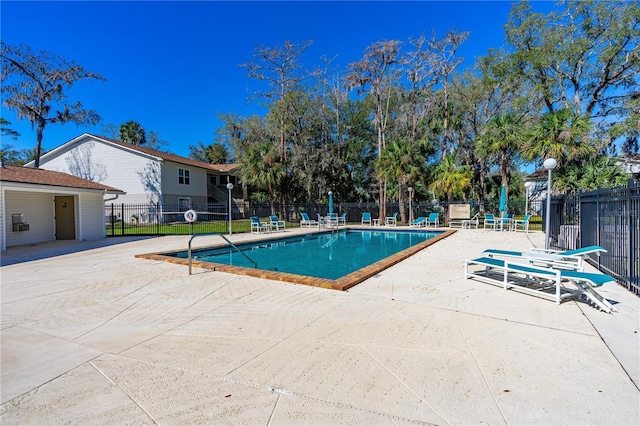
[
  {"x": 419, "y": 222},
  {"x": 543, "y": 282},
  {"x": 567, "y": 259},
  {"x": 474, "y": 221},
  {"x": 306, "y": 221},
  {"x": 465, "y": 223}
]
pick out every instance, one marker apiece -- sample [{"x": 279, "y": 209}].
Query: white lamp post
[
  {"x": 548, "y": 164},
  {"x": 229, "y": 187},
  {"x": 410, "y": 189},
  {"x": 527, "y": 185}
]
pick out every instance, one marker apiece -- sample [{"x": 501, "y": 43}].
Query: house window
[{"x": 184, "y": 177}]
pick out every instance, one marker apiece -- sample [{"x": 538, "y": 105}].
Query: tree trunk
[
  {"x": 39, "y": 143},
  {"x": 271, "y": 200},
  {"x": 403, "y": 216}
]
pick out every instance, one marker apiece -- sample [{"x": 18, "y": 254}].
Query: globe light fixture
[
  {"x": 549, "y": 164},
  {"x": 229, "y": 187}
]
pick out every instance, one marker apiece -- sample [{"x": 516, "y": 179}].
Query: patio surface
[{"x": 92, "y": 335}]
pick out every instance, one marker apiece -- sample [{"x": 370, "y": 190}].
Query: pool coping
[{"x": 342, "y": 283}]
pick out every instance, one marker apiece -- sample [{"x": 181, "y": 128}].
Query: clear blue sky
[{"x": 173, "y": 66}]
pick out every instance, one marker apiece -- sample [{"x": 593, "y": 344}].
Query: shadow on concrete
[{"x": 37, "y": 251}]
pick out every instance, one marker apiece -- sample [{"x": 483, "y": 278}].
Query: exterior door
[{"x": 65, "y": 218}]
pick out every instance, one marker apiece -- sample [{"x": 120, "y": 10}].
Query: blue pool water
[{"x": 323, "y": 255}]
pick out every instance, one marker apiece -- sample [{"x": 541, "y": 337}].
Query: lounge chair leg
[{"x": 596, "y": 298}]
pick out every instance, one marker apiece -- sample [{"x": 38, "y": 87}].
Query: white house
[
  {"x": 39, "y": 205},
  {"x": 630, "y": 164},
  {"x": 146, "y": 175}
]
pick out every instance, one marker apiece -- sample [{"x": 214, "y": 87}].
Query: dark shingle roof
[
  {"x": 48, "y": 177},
  {"x": 170, "y": 157},
  {"x": 540, "y": 174}
]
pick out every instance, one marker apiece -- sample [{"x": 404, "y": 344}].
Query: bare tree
[
  {"x": 376, "y": 72},
  {"x": 445, "y": 61},
  {"x": 34, "y": 86},
  {"x": 420, "y": 71},
  {"x": 279, "y": 67}
]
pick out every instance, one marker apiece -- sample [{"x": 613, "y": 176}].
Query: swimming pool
[{"x": 327, "y": 259}]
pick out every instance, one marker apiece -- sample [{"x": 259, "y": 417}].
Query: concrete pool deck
[{"x": 92, "y": 335}]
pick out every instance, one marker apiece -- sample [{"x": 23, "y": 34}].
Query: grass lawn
[{"x": 181, "y": 228}]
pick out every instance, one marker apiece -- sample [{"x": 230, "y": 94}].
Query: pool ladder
[{"x": 255, "y": 265}]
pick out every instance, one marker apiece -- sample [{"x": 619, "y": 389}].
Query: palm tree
[
  {"x": 502, "y": 136},
  {"x": 450, "y": 178},
  {"x": 403, "y": 163},
  {"x": 562, "y": 135},
  {"x": 133, "y": 133},
  {"x": 261, "y": 167},
  {"x": 601, "y": 172},
  {"x": 215, "y": 153}
]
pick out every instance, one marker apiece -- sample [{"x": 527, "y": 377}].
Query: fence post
[
  {"x": 122, "y": 217},
  {"x": 113, "y": 220},
  {"x": 580, "y": 221},
  {"x": 630, "y": 257},
  {"x": 598, "y": 223}
]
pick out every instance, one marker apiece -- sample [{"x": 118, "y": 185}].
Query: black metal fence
[
  {"x": 165, "y": 219},
  {"x": 609, "y": 218}
]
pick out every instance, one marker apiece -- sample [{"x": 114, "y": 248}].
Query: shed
[{"x": 39, "y": 205}]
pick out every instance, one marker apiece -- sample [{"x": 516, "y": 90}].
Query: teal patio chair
[
  {"x": 342, "y": 219},
  {"x": 391, "y": 220},
  {"x": 366, "y": 218},
  {"x": 506, "y": 221},
  {"x": 332, "y": 219},
  {"x": 276, "y": 223},
  {"x": 434, "y": 219},
  {"x": 522, "y": 224},
  {"x": 490, "y": 220},
  {"x": 257, "y": 226},
  {"x": 305, "y": 221}
]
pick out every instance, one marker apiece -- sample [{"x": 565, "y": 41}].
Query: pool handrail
[{"x": 255, "y": 265}]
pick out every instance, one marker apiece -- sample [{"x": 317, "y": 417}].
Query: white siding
[
  {"x": 3, "y": 234},
  {"x": 172, "y": 189},
  {"x": 136, "y": 174},
  {"x": 38, "y": 211},
  {"x": 91, "y": 213}
]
